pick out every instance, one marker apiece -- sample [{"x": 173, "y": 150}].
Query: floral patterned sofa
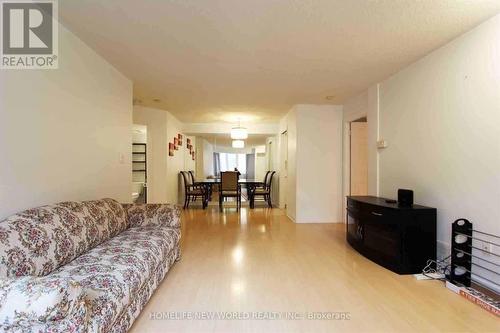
[{"x": 83, "y": 266}]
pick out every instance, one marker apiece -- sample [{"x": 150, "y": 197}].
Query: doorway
[
  {"x": 358, "y": 173},
  {"x": 139, "y": 164}
]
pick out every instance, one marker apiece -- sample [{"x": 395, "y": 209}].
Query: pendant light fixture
[
  {"x": 238, "y": 132},
  {"x": 238, "y": 144}
]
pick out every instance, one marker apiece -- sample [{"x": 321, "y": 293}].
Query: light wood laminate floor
[{"x": 258, "y": 261}]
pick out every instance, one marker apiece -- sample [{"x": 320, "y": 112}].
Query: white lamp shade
[
  {"x": 238, "y": 144},
  {"x": 239, "y": 133}
]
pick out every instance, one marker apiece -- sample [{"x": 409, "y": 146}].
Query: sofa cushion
[
  {"x": 114, "y": 272},
  {"x": 30, "y": 300},
  {"x": 39, "y": 240},
  {"x": 153, "y": 214}
]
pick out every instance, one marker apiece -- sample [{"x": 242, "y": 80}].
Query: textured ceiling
[
  {"x": 224, "y": 140},
  {"x": 208, "y": 61}
]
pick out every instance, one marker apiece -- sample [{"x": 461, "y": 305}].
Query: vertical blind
[{"x": 230, "y": 161}]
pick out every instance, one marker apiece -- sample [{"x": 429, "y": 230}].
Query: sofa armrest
[
  {"x": 153, "y": 214},
  {"x": 40, "y": 301}
]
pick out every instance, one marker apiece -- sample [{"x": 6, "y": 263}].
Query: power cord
[{"x": 442, "y": 267}]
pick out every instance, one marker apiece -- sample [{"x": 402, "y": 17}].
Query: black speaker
[{"x": 405, "y": 197}]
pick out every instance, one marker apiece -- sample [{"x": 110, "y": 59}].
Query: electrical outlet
[{"x": 486, "y": 247}]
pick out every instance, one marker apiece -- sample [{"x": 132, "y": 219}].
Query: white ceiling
[{"x": 212, "y": 60}]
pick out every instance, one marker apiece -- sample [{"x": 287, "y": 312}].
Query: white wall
[
  {"x": 319, "y": 163},
  {"x": 366, "y": 104},
  {"x": 175, "y": 164},
  {"x": 291, "y": 182},
  {"x": 272, "y": 152},
  {"x": 198, "y": 147},
  {"x": 314, "y": 182},
  {"x": 441, "y": 117},
  {"x": 189, "y": 163},
  {"x": 231, "y": 150},
  {"x": 204, "y": 158},
  {"x": 354, "y": 108},
  {"x": 208, "y": 159},
  {"x": 65, "y": 134},
  {"x": 163, "y": 170},
  {"x": 373, "y": 118},
  {"x": 260, "y": 165},
  {"x": 282, "y": 165},
  {"x": 139, "y": 134},
  {"x": 157, "y": 150}
]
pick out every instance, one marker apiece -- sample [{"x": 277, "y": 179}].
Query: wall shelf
[{"x": 140, "y": 175}]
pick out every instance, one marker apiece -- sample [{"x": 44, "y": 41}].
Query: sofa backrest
[{"x": 39, "y": 240}]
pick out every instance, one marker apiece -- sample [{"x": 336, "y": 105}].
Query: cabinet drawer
[{"x": 373, "y": 214}]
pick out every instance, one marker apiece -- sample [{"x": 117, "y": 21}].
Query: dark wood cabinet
[{"x": 399, "y": 238}]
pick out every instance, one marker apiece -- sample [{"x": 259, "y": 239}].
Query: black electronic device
[{"x": 405, "y": 197}]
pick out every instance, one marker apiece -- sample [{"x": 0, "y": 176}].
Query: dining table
[{"x": 207, "y": 184}]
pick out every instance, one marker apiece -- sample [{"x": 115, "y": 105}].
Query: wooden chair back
[
  {"x": 191, "y": 173},
  {"x": 229, "y": 181},
  {"x": 187, "y": 180},
  {"x": 270, "y": 180},
  {"x": 265, "y": 177}
]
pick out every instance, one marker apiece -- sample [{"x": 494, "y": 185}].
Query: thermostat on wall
[{"x": 382, "y": 144}]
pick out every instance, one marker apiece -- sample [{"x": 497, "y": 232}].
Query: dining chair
[
  {"x": 193, "y": 181},
  {"x": 229, "y": 187},
  {"x": 266, "y": 190},
  {"x": 191, "y": 174},
  {"x": 265, "y": 180},
  {"x": 191, "y": 192}
]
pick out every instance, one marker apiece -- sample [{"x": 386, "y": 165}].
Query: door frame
[
  {"x": 283, "y": 165},
  {"x": 351, "y": 146},
  {"x": 346, "y": 169}
]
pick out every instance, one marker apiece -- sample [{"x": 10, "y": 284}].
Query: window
[{"x": 229, "y": 161}]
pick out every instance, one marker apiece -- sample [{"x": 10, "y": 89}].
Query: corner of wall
[{"x": 373, "y": 117}]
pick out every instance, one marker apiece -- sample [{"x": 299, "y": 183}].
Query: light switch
[{"x": 382, "y": 144}]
